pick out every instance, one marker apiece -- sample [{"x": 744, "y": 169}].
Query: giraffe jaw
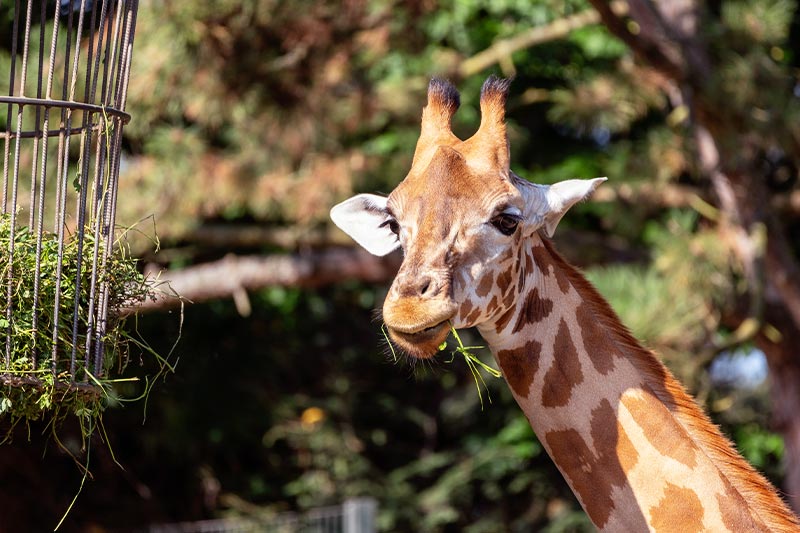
[{"x": 422, "y": 343}]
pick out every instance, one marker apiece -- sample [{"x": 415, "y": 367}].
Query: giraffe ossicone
[{"x": 634, "y": 447}]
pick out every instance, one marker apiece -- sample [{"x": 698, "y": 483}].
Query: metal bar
[
  {"x": 70, "y": 104},
  {"x": 109, "y": 217},
  {"x": 84, "y": 163},
  {"x": 60, "y": 227},
  {"x": 81, "y": 230},
  {"x": 15, "y": 187},
  {"x": 62, "y": 178},
  {"x": 91, "y": 80},
  {"x": 43, "y": 175},
  {"x": 11, "y": 79},
  {"x": 99, "y": 188}
]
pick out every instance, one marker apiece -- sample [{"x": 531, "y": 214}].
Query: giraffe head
[{"x": 462, "y": 218}]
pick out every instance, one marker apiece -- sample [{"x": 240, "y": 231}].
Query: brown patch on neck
[
  {"x": 485, "y": 285},
  {"x": 679, "y": 511},
  {"x": 661, "y": 429},
  {"x": 604, "y": 417},
  {"x": 473, "y": 316},
  {"x": 593, "y": 475},
  {"x": 464, "y": 310},
  {"x": 520, "y": 365},
  {"x": 598, "y": 344},
  {"x": 544, "y": 259},
  {"x": 565, "y": 374},
  {"x": 504, "y": 319},
  {"x": 534, "y": 309},
  {"x": 504, "y": 281}
]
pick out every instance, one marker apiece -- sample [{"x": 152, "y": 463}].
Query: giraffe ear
[
  {"x": 563, "y": 195},
  {"x": 364, "y": 218}
]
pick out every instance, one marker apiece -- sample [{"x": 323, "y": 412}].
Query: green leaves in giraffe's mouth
[
  {"x": 473, "y": 362},
  {"x": 400, "y": 339}
]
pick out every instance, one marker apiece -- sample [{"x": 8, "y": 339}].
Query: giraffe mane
[{"x": 768, "y": 506}]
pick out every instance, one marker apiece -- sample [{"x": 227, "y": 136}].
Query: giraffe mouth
[
  {"x": 422, "y": 343},
  {"x": 418, "y": 326}
]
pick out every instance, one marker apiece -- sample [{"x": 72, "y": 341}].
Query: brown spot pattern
[
  {"x": 604, "y": 417},
  {"x": 679, "y": 511},
  {"x": 545, "y": 263},
  {"x": 593, "y": 475},
  {"x": 661, "y": 429},
  {"x": 520, "y": 365},
  {"x": 534, "y": 309},
  {"x": 508, "y": 301},
  {"x": 521, "y": 279},
  {"x": 595, "y": 340},
  {"x": 474, "y": 315},
  {"x": 504, "y": 281},
  {"x": 492, "y": 307},
  {"x": 565, "y": 373},
  {"x": 504, "y": 319},
  {"x": 465, "y": 309},
  {"x": 485, "y": 285}
]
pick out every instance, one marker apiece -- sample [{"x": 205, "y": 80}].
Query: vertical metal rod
[
  {"x": 86, "y": 140},
  {"x": 15, "y": 182},
  {"x": 105, "y": 162},
  {"x": 62, "y": 179},
  {"x": 6, "y": 155},
  {"x": 64, "y": 142},
  {"x": 99, "y": 191},
  {"x": 82, "y": 193},
  {"x": 11, "y": 80},
  {"x": 42, "y": 178},
  {"x": 38, "y": 117}
]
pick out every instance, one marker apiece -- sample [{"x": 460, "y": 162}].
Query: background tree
[{"x": 250, "y": 121}]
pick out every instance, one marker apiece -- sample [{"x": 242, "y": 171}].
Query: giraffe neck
[{"x": 634, "y": 447}]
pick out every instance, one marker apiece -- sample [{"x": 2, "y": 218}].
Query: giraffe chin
[{"x": 422, "y": 344}]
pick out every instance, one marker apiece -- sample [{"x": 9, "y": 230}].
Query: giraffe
[{"x": 636, "y": 450}]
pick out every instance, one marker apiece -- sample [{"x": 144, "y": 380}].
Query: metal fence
[
  {"x": 355, "y": 515},
  {"x": 64, "y": 75}
]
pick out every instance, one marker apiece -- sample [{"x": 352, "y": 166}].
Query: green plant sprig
[{"x": 473, "y": 362}]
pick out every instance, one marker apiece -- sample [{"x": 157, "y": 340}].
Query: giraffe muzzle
[{"x": 418, "y": 325}]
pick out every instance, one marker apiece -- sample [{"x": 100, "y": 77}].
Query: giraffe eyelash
[{"x": 393, "y": 225}]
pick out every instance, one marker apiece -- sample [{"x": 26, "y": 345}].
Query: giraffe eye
[
  {"x": 394, "y": 227},
  {"x": 506, "y": 223}
]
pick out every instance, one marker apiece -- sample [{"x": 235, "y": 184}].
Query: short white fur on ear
[
  {"x": 563, "y": 195},
  {"x": 363, "y": 217}
]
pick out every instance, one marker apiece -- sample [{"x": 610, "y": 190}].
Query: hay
[{"x": 40, "y": 379}]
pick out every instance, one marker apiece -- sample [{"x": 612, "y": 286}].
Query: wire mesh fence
[
  {"x": 64, "y": 73},
  {"x": 356, "y": 515}
]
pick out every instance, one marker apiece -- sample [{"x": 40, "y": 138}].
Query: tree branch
[
  {"x": 230, "y": 276},
  {"x": 502, "y": 49}
]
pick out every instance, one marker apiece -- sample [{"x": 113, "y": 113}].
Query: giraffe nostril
[{"x": 424, "y": 286}]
